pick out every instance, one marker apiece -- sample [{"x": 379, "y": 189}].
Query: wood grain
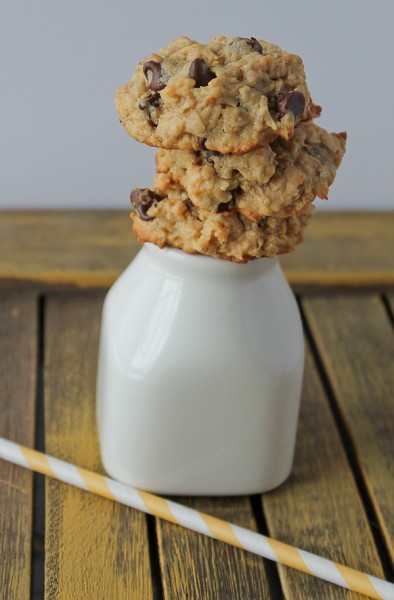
[
  {"x": 319, "y": 508},
  {"x": 18, "y": 371},
  {"x": 95, "y": 548},
  {"x": 355, "y": 340},
  {"x": 195, "y": 566},
  {"x": 89, "y": 249}
]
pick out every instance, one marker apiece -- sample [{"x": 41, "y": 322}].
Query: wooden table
[{"x": 339, "y": 500}]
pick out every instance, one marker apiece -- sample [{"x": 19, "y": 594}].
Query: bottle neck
[{"x": 182, "y": 263}]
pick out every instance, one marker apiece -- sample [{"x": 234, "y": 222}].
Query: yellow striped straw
[{"x": 197, "y": 521}]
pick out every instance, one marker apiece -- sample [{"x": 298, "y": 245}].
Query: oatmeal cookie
[
  {"x": 278, "y": 180},
  {"x": 172, "y": 220},
  {"x": 231, "y": 95}
]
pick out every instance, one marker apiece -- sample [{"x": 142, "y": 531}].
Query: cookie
[
  {"x": 231, "y": 95},
  {"x": 278, "y": 180},
  {"x": 172, "y": 220}
]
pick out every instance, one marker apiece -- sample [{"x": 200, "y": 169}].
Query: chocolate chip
[
  {"x": 142, "y": 201},
  {"x": 152, "y": 72},
  {"x": 255, "y": 45},
  {"x": 251, "y": 42},
  {"x": 152, "y": 100},
  {"x": 262, "y": 222},
  {"x": 200, "y": 72},
  {"x": 209, "y": 154},
  {"x": 224, "y": 206},
  {"x": 189, "y": 204},
  {"x": 201, "y": 143},
  {"x": 271, "y": 102},
  {"x": 290, "y": 102},
  {"x": 150, "y": 104}
]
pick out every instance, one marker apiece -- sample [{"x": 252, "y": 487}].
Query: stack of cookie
[{"x": 240, "y": 159}]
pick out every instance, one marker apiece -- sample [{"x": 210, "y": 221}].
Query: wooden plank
[
  {"x": 195, "y": 566},
  {"x": 95, "y": 548},
  {"x": 18, "y": 371},
  {"x": 89, "y": 249},
  {"x": 318, "y": 508},
  {"x": 344, "y": 249},
  {"x": 355, "y": 341}
]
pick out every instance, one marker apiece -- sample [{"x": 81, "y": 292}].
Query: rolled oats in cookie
[
  {"x": 277, "y": 180},
  {"x": 231, "y": 95},
  {"x": 175, "y": 221}
]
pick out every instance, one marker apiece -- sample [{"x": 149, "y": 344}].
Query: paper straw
[{"x": 197, "y": 521}]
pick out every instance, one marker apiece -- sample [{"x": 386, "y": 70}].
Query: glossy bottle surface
[{"x": 199, "y": 375}]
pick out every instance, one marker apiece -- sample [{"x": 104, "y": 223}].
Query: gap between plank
[
  {"x": 157, "y": 584},
  {"x": 271, "y": 567},
  {"x": 350, "y": 451},
  {"x": 387, "y": 307},
  {"x": 38, "y": 537}
]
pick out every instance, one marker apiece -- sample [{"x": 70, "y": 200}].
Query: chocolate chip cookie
[
  {"x": 232, "y": 95},
  {"x": 172, "y": 220},
  {"x": 277, "y": 180}
]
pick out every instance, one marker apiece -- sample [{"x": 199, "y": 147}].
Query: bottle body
[{"x": 200, "y": 373}]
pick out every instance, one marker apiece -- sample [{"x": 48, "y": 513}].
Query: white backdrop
[{"x": 61, "y": 144}]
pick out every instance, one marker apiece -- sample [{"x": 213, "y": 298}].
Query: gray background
[{"x": 61, "y": 144}]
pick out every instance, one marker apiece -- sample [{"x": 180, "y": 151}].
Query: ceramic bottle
[{"x": 199, "y": 376}]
